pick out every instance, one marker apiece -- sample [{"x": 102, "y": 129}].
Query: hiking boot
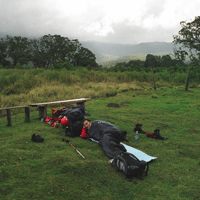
[
  {"x": 157, "y": 135},
  {"x": 138, "y": 128},
  {"x": 37, "y": 138}
]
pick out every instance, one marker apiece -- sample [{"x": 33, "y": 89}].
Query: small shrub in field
[
  {"x": 111, "y": 93},
  {"x": 154, "y": 96},
  {"x": 180, "y": 78},
  {"x": 52, "y": 75}
]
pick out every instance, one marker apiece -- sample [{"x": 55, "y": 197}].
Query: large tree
[
  {"x": 18, "y": 49},
  {"x": 51, "y": 49},
  {"x": 84, "y": 57},
  {"x": 152, "y": 61},
  {"x": 3, "y": 53},
  {"x": 166, "y": 61},
  {"x": 189, "y": 37}
]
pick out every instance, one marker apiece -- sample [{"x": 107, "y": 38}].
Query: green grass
[{"x": 53, "y": 170}]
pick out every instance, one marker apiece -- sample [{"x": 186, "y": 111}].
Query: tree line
[
  {"x": 61, "y": 52},
  {"x": 188, "y": 39},
  {"x": 158, "y": 62},
  {"x": 44, "y": 52}
]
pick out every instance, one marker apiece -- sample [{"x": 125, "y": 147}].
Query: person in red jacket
[{"x": 86, "y": 125}]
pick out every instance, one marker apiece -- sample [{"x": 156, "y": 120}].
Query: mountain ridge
[
  {"x": 126, "y": 49},
  {"x": 113, "y": 53}
]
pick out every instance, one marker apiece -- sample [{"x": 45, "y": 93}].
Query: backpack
[
  {"x": 130, "y": 165},
  {"x": 75, "y": 112},
  {"x": 74, "y": 128},
  {"x": 75, "y": 115}
]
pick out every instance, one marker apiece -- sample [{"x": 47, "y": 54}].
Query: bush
[
  {"x": 19, "y": 66},
  {"x": 180, "y": 78},
  {"x": 65, "y": 65}
]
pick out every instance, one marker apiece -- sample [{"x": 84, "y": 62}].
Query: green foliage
[
  {"x": 16, "y": 81},
  {"x": 152, "y": 61},
  {"x": 19, "y": 66},
  {"x": 44, "y": 52},
  {"x": 3, "y": 53},
  {"x": 85, "y": 58},
  {"x": 18, "y": 49},
  {"x": 65, "y": 65},
  {"x": 189, "y": 37}
]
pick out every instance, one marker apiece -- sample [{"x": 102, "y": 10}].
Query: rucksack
[
  {"x": 74, "y": 112},
  {"x": 130, "y": 165},
  {"x": 75, "y": 115},
  {"x": 74, "y": 128}
]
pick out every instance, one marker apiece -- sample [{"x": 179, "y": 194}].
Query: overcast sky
[{"x": 110, "y": 21}]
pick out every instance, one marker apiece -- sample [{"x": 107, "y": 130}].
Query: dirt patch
[
  {"x": 192, "y": 131},
  {"x": 124, "y": 103},
  {"x": 164, "y": 125},
  {"x": 115, "y": 105}
]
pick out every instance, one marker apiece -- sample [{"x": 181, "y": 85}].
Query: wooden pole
[
  {"x": 153, "y": 78},
  {"x": 27, "y": 114},
  {"x": 9, "y": 117},
  {"x": 187, "y": 80},
  {"x": 42, "y": 111}
]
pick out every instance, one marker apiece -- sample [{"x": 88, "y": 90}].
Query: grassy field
[{"x": 53, "y": 170}]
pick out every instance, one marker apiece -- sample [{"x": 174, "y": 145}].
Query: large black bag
[
  {"x": 130, "y": 165},
  {"x": 75, "y": 115},
  {"x": 74, "y": 128},
  {"x": 74, "y": 112}
]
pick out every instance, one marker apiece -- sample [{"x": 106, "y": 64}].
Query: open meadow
[{"x": 53, "y": 170}]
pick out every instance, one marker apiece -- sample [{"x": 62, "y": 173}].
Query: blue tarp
[{"x": 139, "y": 154}]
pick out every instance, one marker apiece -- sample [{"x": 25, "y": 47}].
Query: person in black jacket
[{"x": 107, "y": 135}]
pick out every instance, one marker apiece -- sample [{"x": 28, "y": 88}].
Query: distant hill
[
  {"x": 126, "y": 49},
  {"x": 112, "y": 53}
]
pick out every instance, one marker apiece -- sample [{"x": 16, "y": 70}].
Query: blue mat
[{"x": 139, "y": 154}]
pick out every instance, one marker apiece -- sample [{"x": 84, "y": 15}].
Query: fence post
[
  {"x": 42, "y": 111},
  {"x": 27, "y": 114},
  {"x": 8, "y": 117}
]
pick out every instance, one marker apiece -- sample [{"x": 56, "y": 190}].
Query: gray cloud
[
  {"x": 157, "y": 21},
  {"x": 126, "y": 34}
]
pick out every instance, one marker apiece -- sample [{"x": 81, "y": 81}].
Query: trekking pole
[{"x": 73, "y": 147}]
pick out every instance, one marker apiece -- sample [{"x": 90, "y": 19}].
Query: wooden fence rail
[{"x": 42, "y": 107}]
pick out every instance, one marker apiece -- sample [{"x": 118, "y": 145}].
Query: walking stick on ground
[{"x": 73, "y": 147}]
